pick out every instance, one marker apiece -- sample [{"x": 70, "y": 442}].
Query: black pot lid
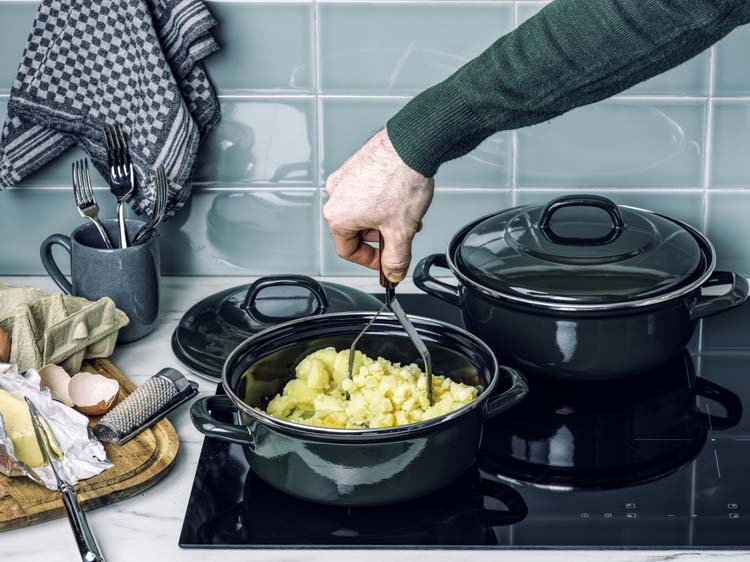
[
  {"x": 580, "y": 249},
  {"x": 212, "y": 328}
]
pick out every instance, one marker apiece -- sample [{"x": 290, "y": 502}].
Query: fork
[
  {"x": 121, "y": 173},
  {"x": 85, "y": 200},
  {"x": 160, "y": 204}
]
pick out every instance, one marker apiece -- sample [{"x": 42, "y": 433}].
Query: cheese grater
[{"x": 150, "y": 402}]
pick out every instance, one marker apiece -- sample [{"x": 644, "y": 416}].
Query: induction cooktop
[{"x": 657, "y": 461}]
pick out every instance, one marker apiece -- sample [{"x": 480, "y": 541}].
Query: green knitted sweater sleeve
[{"x": 572, "y": 53}]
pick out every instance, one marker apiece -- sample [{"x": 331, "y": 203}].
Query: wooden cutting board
[{"x": 138, "y": 464}]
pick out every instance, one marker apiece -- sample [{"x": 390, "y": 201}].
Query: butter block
[{"x": 18, "y": 425}]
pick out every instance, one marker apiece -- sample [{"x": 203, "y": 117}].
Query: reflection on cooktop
[{"x": 655, "y": 461}]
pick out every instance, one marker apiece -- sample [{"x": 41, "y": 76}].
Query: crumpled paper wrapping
[
  {"x": 55, "y": 328},
  {"x": 83, "y": 455}
]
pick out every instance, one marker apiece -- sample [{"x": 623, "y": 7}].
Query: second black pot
[{"x": 551, "y": 305}]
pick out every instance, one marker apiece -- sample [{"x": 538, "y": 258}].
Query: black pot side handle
[
  {"x": 200, "y": 414},
  {"x": 48, "y": 260},
  {"x": 248, "y": 305},
  {"x": 726, "y": 398},
  {"x": 510, "y": 498},
  {"x": 518, "y": 390},
  {"x": 709, "y": 305},
  {"x": 425, "y": 281}
]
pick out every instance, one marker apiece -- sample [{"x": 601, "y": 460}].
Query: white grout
[
  {"x": 514, "y": 139},
  {"x": 708, "y": 143},
  {"x": 319, "y": 154}
]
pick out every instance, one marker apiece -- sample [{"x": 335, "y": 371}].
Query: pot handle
[
  {"x": 709, "y": 305},
  {"x": 200, "y": 414},
  {"x": 248, "y": 305},
  {"x": 510, "y": 498},
  {"x": 726, "y": 398},
  {"x": 585, "y": 200},
  {"x": 425, "y": 281},
  {"x": 518, "y": 390}
]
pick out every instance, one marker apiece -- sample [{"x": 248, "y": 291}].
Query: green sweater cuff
[{"x": 432, "y": 125}]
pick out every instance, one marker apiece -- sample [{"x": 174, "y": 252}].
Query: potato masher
[{"x": 391, "y": 303}]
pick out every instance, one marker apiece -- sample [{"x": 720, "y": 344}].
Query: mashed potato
[{"x": 381, "y": 393}]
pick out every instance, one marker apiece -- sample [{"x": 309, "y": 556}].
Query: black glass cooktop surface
[{"x": 660, "y": 460}]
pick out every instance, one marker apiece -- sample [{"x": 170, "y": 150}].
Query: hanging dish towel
[{"x": 136, "y": 63}]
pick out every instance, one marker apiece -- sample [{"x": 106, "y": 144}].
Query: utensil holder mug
[{"x": 129, "y": 276}]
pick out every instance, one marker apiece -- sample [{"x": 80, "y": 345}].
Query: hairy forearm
[{"x": 572, "y": 53}]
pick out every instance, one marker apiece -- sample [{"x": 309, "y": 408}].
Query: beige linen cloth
[{"x": 55, "y": 328}]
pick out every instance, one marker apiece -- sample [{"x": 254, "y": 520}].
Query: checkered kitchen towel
[{"x": 88, "y": 64}]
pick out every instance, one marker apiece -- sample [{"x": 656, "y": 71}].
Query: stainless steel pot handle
[
  {"x": 518, "y": 390},
  {"x": 709, "y": 305},
  {"x": 200, "y": 414},
  {"x": 425, "y": 281}
]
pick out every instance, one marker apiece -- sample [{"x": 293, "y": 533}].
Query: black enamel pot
[
  {"x": 362, "y": 466},
  {"x": 581, "y": 288},
  {"x": 574, "y": 434}
]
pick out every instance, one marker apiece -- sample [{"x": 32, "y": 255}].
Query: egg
[
  {"x": 57, "y": 380},
  {"x": 379, "y": 393},
  {"x": 4, "y": 345},
  {"x": 93, "y": 394}
]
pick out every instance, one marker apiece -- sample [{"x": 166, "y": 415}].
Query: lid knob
[{"x": 607, "y": 205}]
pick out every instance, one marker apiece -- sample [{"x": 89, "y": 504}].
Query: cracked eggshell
[
  {"x": 93, "y": 394},
  {"x": 57, "y": 380}
]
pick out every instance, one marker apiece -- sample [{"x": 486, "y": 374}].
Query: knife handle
[
  {"x": 387, "y": 284},
  {"x": 84, "y": 537}
]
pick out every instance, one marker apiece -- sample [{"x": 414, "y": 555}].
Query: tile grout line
[
  {"x": 514, "y": 138},
  {"x": 318, "y": 134},
  {"x": 708, "y": 137}
]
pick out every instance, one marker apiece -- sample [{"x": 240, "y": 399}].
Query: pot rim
[
  {"x": 369, "y": 433},
  {"x": 707, "y": 248}
]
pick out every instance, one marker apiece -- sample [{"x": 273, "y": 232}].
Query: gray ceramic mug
[{"x": 130, "y": 276}]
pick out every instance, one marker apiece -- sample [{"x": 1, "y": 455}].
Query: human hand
[{"x": 374, "y": 191}]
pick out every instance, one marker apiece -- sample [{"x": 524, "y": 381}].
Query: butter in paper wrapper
[{"x": 83, "y": 455}]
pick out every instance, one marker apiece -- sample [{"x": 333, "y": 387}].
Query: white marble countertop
[{"x": 146, "y": 527}]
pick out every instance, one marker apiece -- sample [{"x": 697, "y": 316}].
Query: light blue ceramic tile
[
  {"x": 234, "y": 232},
  {"x": 727, "y": 331},
  {"x": 56, "y": 173},
  {"x": 732, "y": 64},
  {"x": 689, "y": 79},
  {"x": 616, "y": 143},
  {"x": 403, "y": 48},
  {"x": 29, "y": 216},
  {"x": 450, "y": 210},
  {"x": 684, "y": 206},
  {"x": 348, "y": 123},
  {"x": 15, "y": 24},
  {"x": 260, "y": 141},
  {"x": 730, "y": 135},
  {"x": 729, "y": 230},
  {"x": 264, "y": 46}
]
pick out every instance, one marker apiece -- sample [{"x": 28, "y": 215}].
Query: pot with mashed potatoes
[{"x": 310, "y": 430}]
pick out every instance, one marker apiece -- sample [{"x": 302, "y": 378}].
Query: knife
[{"x": 85, "y": 540}]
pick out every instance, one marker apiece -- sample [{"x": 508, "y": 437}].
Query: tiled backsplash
[{"x": 303, "y": 84}]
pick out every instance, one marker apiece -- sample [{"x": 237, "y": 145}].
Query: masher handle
[{"x": 387, "y": 284}]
